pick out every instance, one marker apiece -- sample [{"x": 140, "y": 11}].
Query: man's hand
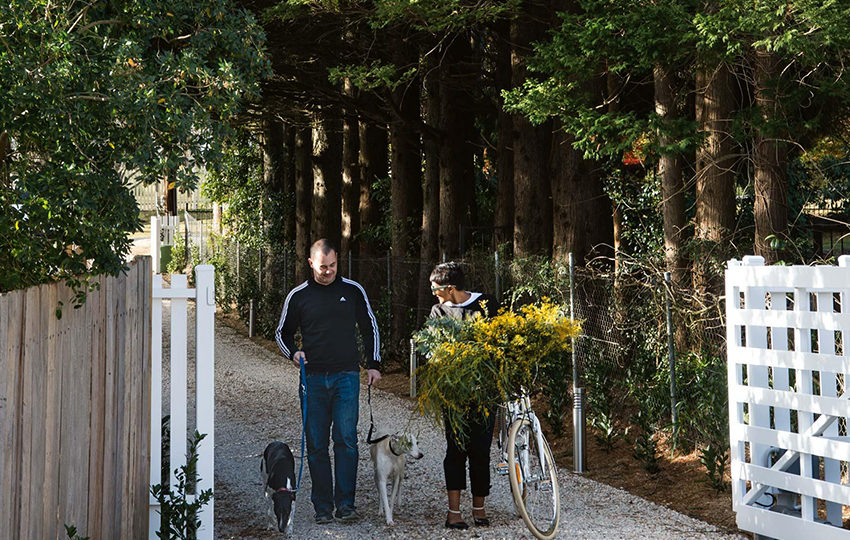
[
  {"x": 296, "y": 358},
  {"x": 372, "y": 376}
]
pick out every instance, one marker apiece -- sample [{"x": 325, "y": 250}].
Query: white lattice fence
[
  {"x": 786, "y": 327},
  {"x": 179, "y": 294}
]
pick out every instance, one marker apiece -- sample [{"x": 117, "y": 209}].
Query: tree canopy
[{"x": 99, "y": 96}]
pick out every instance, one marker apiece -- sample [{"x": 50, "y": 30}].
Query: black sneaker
[
  {"x": 324, "y": 518},
  {"x": 347, "y": 514}
]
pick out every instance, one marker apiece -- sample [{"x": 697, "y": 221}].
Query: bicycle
[{"x": 528, "y": 462}]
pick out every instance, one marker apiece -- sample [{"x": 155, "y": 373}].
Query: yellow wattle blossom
[{"x": 476, "y": 364}]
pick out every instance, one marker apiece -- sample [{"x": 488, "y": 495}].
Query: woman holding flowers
[{"x": 473, "y": 444}]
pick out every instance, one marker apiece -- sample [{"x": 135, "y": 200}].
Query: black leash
[{"x": 369, "y": 438}]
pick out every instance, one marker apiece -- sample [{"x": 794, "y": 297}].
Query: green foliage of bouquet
[{"x": 474, "y": 365}]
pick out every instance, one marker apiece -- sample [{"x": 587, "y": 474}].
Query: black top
[
  {"x": 484, "y": 304},
  {"x": 327, "y": 315}
]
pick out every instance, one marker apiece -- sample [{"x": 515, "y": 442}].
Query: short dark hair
[
  {"x": 324, "y": 245},
  {"x": 448, "y": 273}
]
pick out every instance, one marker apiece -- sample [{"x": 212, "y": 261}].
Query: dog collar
[
  {"x": 392, "y": 449},
  {"x": 284, "y": 490}
]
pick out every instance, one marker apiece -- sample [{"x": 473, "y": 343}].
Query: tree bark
[
  {"x": 580, "y": 207},
  {"x": 327, "y": 178},
  {"x": 350, "y": 180},
  {"x": 429, "y": 250},
  {"x": 770, "y": 176},
  {"x": 532, "y": 189},
  {"x": 406, "y": 200},
  {"x": 274, "y": 214},
  {"x": 672, "y": 183},
  {"x": 504, "y": 212},
  {"x": 303, "y": 200},
  {"x": 373, "y": 167},
  {"x": 715, "y": 179},
  {"x": 456, "y": 128}
]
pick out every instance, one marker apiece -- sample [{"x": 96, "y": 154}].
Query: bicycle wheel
[{"x": 534, "y": 484}]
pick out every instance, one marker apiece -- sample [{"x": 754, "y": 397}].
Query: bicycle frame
[{"x": 515, "y": 410}]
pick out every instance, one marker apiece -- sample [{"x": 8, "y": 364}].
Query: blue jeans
[{"x": 332, "y": 400}]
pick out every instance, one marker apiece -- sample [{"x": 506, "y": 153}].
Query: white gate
[
  {"x": 788, "y": 366},
  {"x": 179, "y": 293}
]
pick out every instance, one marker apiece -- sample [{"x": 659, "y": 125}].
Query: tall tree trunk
[
  {"x": 770, "y": 176},
  {"x": 429, "y": 251},
  {"x": 715, "y": 179},
  {"x": 672, "y": 183},
  {"x": 303, "y": 200},
  {"x": 373, "y": 167},
  {"x": 504, "y": 212},
  {"x": 327, "y": 177},
  {"x": 532, "y": 189},
  {"x": 274, "y": 215},
  {"x": 580, "y": 206},
  {"x": 406, "y": 200},
  {"x": 456, "y": 127},
  {"x": 350, "y": 180}
]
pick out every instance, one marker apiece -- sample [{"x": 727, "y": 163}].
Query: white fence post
[
  {"x": 205, "y": 384},
  {"x": 179, "y": 294},
  {"x": 782, "y": 432},
  {"x": 155, "y": 240}
]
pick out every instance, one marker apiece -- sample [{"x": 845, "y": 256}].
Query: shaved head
[{"x": 323, "y": 246}]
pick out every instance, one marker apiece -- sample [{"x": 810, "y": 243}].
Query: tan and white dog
[{"x": 388, "y": 454}]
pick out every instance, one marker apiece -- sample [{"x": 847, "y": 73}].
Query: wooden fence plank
[
  {"x": 121, "y": 425},
  {"x": 99, "y": 413},
  {"x": 53, "y": 411},
  {"x": 131, "y": 403},
  {"x": 34, "y": 416},
  {"x": 148, "y": 384},
  {"x": 11, "y": 315},
  {"x": 109, "y": 433},
  {"x": 142, "y": 355}
]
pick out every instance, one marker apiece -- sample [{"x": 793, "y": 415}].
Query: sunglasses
[{"x": 439, "y": 287}]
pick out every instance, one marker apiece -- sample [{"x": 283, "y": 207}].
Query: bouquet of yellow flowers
[{"x": 476, "y": 364}]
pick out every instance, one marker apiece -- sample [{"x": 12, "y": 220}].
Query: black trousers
[{"x": 475, "y": 449}]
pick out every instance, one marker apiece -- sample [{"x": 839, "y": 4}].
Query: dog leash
[
  {"x": 369, "y": 438},
  {"x": 303, "y": 421}
]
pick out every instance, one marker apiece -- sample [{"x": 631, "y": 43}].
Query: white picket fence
[
  {"x": 163, "y": 232},
  {"x": 179, "y": 294},
  {"x": 788, "y": 406}
]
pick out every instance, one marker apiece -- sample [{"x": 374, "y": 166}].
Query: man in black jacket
[{"x": 327, "y": 308}]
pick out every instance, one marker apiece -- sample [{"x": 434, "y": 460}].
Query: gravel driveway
[{"x": 256, "y": 402}]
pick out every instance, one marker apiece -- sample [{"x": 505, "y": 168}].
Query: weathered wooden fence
[
  {"x": 75, "y": 410},
  {"x": 788, "y": 362}
]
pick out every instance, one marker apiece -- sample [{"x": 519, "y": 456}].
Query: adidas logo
[{"x": 342, "y": 299}]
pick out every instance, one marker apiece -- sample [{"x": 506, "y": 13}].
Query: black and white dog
[{"x": 278, "y": 470}]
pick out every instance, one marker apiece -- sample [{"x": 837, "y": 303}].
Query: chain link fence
[{"x": 624, "y": 357}]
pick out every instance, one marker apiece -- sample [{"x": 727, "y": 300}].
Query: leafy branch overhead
[{"x": 102, "y": 96}]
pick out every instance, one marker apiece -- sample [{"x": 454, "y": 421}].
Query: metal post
[
  {"x": 260, "y": 269},
  {"x": 498, "y": 281},
  {"x": 579, "y": 430},
  {"x": 251, "y": 318},
  {"x": 671, "y": 354},
  {"x": 238, "y": 273},
  {"x": 349, "y": 265},
  {"x": 389, "y": 275},
  {"x": 414, "y": 361},
  {"x": 573, "y": 318},
  {"x": 579, "y": 419}
]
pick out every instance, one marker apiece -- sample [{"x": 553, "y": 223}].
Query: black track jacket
[{"x": 327, "y": 315}]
